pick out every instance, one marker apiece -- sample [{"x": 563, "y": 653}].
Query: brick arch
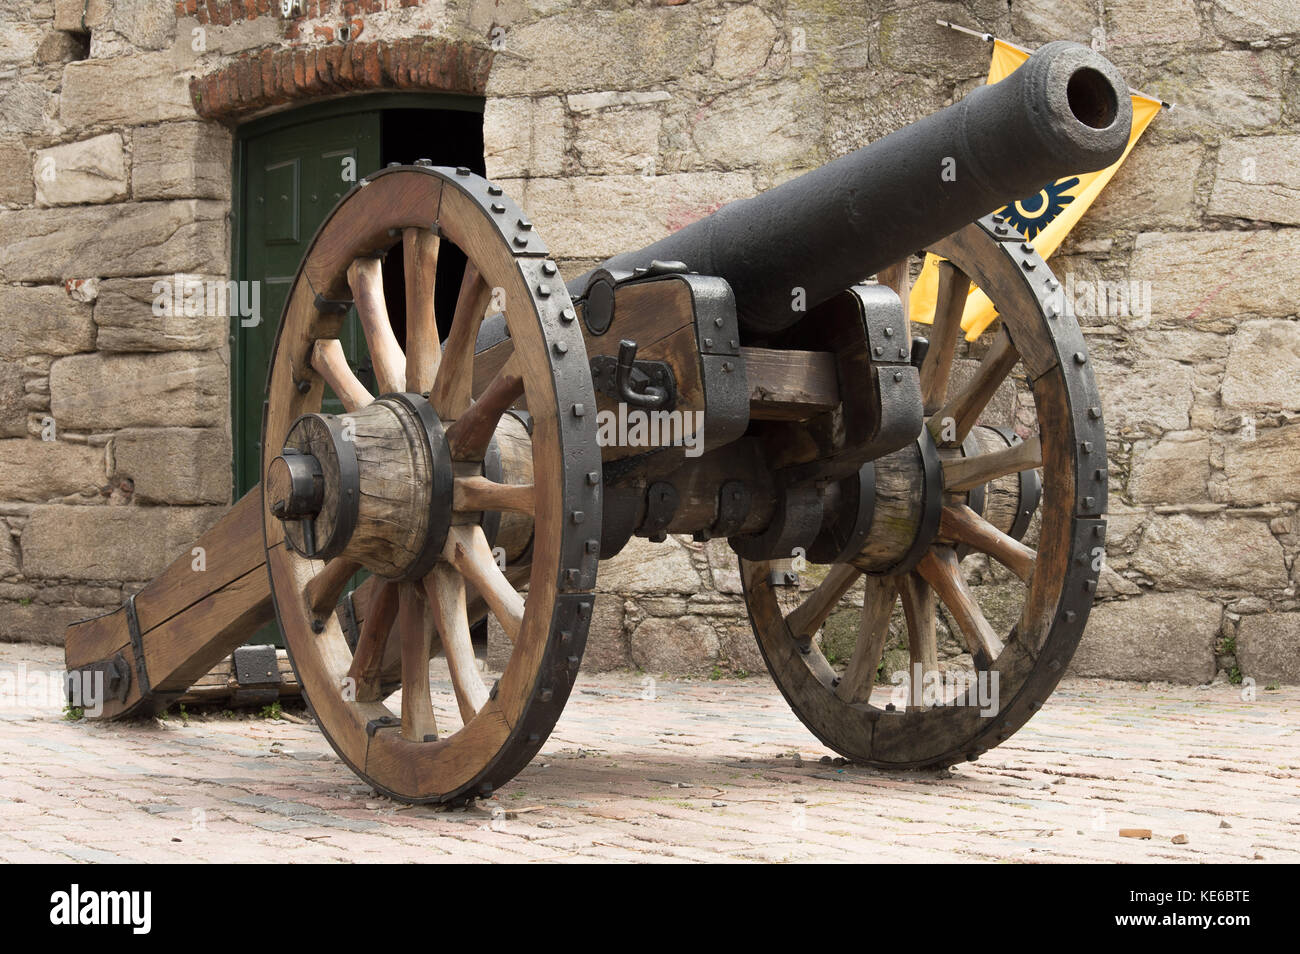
[{"x": 258, "y": 80}]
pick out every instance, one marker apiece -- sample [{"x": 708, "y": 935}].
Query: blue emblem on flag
[{"x": 1030, "y": 216}]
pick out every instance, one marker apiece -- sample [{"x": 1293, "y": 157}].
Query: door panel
[{"x": 293, "y": 176}]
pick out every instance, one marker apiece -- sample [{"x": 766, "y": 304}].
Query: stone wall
[
  {"x": 613, "y": 123},
  {"x": 114, "y": 422}
]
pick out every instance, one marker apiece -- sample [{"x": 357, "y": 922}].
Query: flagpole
[{"x": 989, "y": 38}]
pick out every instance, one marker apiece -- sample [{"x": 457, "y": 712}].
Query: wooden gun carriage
[{"x": 478, "y": 481}]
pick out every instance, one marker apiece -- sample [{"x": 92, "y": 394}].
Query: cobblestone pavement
[{"x": 704, "y": 771}]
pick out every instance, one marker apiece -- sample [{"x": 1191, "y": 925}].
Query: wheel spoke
[
  {"x": 423, "y": 349},
  {"x": 366, "y": 277},
  {"x": 468, "y": 551},
  {"x": 469, "y": 435},
  {"x": 812, "y": 613},
  {"x": 329, "y": 361},
  {"x": 446, "y": 591},
  {"x": 873, "y": 630},
  {"x": 898, "y": 277},
  {"x": 452, "y": 389},
  {"x": 941, "y": 570},
  {"x": 964, "y": 410},
  {"x": 963, "y": 525},
  {"x": 922, "y": 642},
  {"x": 326, "y": 587},
  {"x": 470, "y": 494},
  {"x": 950, "y": 303},
  {"x": 368, "y": 657},
  {"x": 415, "y": 626},
  {"x": 964, "y": 473}
]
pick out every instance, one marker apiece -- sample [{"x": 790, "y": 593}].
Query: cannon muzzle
[{"x": 1066, "y": 110}]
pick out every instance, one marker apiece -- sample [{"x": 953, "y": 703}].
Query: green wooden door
[{"x": 291, "y": 176}]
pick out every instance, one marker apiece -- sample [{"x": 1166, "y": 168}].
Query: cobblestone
[{"x": 703, "y": 771}]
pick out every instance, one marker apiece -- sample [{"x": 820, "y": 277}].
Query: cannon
[{"x": 740, "y": 379}]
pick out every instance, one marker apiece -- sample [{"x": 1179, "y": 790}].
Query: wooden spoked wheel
[
  {"x": 420, "y": 484},
  {"x": 951, "y": 507}
]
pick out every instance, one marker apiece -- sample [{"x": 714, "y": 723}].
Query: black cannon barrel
[{"x": 1065, "y": 111}]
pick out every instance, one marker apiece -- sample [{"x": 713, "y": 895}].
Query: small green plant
[
  {"x": 1273, "y": 687},
  {"x": 716, "y": 674},
  {"x": 73, "y": 713},
  {"x": 25, "y": 601},
  {"x": 1229, "y": 646},
  {"x": 1234, "y": 675},
  {"x": 269, "y": 712}
]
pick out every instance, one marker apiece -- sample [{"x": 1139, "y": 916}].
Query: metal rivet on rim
[
  {"x": 568, "y": 314},
  {"x": 460, "y": 170},
  {"x": 1080, "y": 358},
  {"x": 544, "y": 291},
  {"x": 498, "y": 208},
  {"x": 524, "y": 225},
  {"x": 560, "y": 347},
  {"x": 495, "y": 190},
  {"x": 549, "y": 268}
]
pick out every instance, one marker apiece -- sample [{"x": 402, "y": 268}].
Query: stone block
[
  {"x": 523, "y": 137},
  {"x": 110, "y": 543},
  {"x": 175, "y": 389},
  {"x": 596, "y": 217},
  {"x": 1258, "y": 177},
  {"x": 13, "y": 404},
  {"x": 174, "y": 465},
  {"x": 684, "y": 646},
  {"x": 1265, "y": 470},
  {"x": 1268, "y": 647},
  {"x": 40, "y": 622},
  {"x": 1159, "y": 636},
  {"x": 1263, "y": 370},
  {"x": 1213, "y": 553},
  {"x": 1152, "y": 396},
  {"x": 616, "y": 141},
  {"x": 43, "y": 320},
  {"x": 124, "y": 91},
  {"x": 80, "y": 173},
  {"x": 181, "y": 161},
  {"x": 137, "y": 238},
  {"x": 1174, "y": 470},
  {"x": 645, "y": 567},
  {"x": 1205, "y": 275},
  {"x": 744, "y": 43},
  {"x": 16, "y": 174},
  {"x": 46, "y": 470},
  {"x": 124, "y": 314}
]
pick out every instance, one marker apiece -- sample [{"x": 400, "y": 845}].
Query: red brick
[{"x": 272, "y": 76}]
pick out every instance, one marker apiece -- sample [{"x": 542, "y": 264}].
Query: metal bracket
[
  {"x": 137, "y": 645},
  {"x": 643, "y": 384},
  {"x": 734, "y": 502},
  {"x": 117, "y": 680},
  {"x": 257, "y": 675},
  {"x": 661, "y": 502}
]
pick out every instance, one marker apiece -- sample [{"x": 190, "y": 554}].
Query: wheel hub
[{"x": 375, "y": 485}]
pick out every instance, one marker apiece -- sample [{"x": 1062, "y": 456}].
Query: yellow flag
[{"x": 1045, "y": 218}]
